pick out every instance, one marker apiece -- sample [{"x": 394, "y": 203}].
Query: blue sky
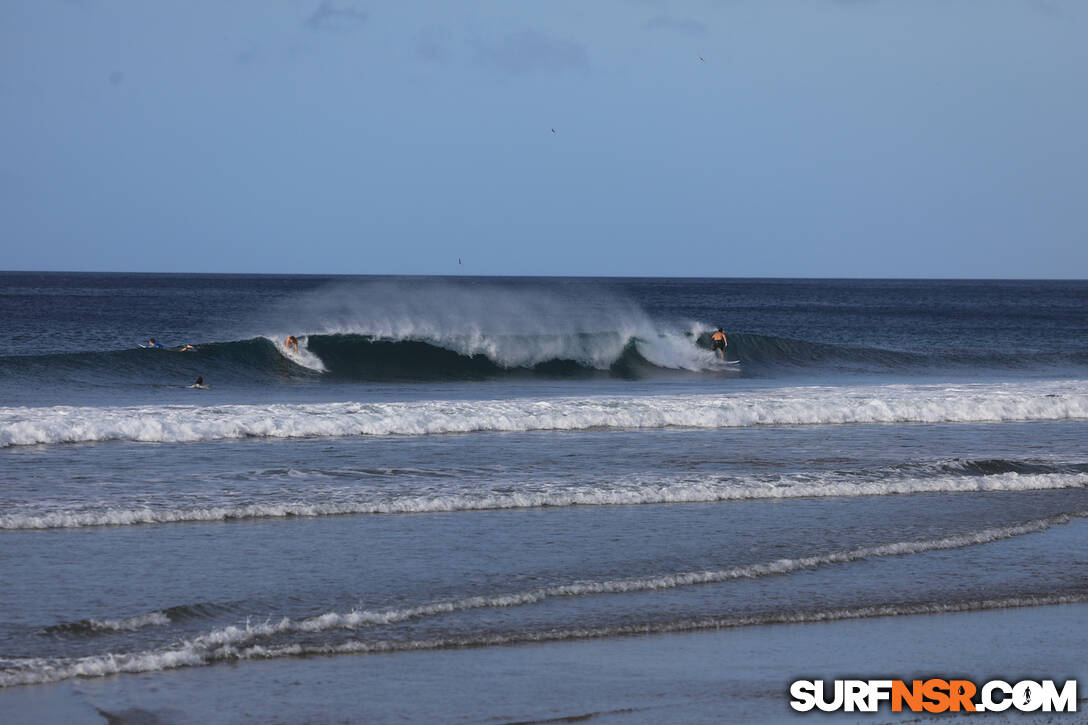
[{"x": 849, "y": 138}]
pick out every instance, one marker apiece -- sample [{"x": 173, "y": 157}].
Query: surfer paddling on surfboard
[
  {"x": 199, "y": 384},
  {"x": 291, "y": 342},
  {"x": 718, "y": 343},
  {"x": 152, "y": 344}
]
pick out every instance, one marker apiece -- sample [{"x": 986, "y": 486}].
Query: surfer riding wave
[{"x": 718, "y": 343}]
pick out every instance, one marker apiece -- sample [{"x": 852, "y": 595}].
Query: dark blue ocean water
[{"x": 460, "y": 462}]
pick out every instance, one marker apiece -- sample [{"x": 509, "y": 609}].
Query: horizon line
[{"x": 544, "y": 276}]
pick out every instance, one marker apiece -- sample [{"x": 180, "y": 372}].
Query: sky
[{"x": 706, "y": 138}]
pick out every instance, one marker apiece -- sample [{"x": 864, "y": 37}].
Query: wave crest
[{"x": 974, "y": 403}]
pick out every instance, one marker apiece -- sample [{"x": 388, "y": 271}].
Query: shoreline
[{"x": 737, "y": 674}]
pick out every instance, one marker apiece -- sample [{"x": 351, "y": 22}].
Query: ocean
[{"x": 459, "y": 492}]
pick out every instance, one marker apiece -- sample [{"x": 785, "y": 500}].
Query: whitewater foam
[
  {"x": 225, "y": 646},
  {"x": 124, "y": 624},
  {"x": 789, "y": 406},
  {"x": 303, "y": 357},
  {"x": 629, "y": 490}
]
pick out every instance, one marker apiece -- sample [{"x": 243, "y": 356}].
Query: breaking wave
[
  {"x": 974, "y": 403},
  {"x": 430, "y": 330},
  {"x": 340, "y": 357},
  {"x": 157, "y": 618},
  {"x": 456, "y": 357},
  {"x": 636, "y": 490}
]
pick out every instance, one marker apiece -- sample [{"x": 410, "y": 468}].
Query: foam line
[
  {"x": 354, "y": 619},
  {"x": 26, "y": 671},
  {"x": 638, "y": 490},
  {"x": 789, "y": 406}
]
